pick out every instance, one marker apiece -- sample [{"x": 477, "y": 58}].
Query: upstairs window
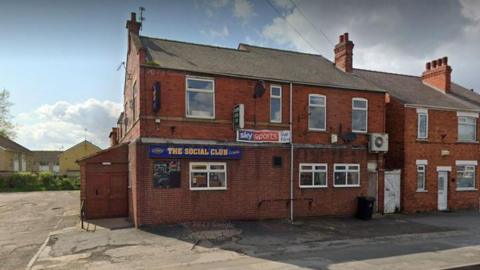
[
  {"x": 346, "y": 175},
  {"x": 275, "y": 104},
  {"x": 134, "y": 102},
  {"x": 467, "y": 128},
  {"x": 317, "y": 105},
  {"x": 422, "y": 124},
  {"x": 200, "y": 98},
  {"x": 359, "y": 115}
]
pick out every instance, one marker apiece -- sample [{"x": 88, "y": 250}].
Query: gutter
[{"x": 407, "y": 105}]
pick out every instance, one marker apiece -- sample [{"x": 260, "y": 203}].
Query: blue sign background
[{"x": 194, "y": 151}]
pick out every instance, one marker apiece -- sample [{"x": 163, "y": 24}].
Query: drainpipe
[{"x": 291, "y": 153}]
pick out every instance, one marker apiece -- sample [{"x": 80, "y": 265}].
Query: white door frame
[{"x": 442, "y": 189}]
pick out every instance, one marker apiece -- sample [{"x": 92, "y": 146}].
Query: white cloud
[
  {"x": 53, "y": 126},
  {"x": 390, "y": 37},
  {"x": 221, "y": 33},
  {"x": 471, "y": 9},
  {"x": 243, "y": 10}
]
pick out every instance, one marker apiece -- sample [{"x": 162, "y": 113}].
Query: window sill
[
  {"x": 199, "y": 117},
  {"x": 317, "y": 130},
  {"x": 314, "y": 187},
  {"x": 466, "y": 189},
  {"x": 472, "y": 142},
  {"x": 347, "y": 186},
  {"x": 207, "y": 189},
  {"x": 422, "y": 139},
  {"x": 359, "y": 132},
  {"x": 422, "y": 190}
]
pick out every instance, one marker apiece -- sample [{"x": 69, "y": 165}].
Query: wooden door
[{"x": 107, "y": 195}]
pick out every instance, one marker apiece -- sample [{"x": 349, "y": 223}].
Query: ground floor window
[
  {"x": 465, "y": 177},
  {"x": 421, "y": 177},
  {"x": 313, "y": 175},
  {"x": 208, "y": 175},
  {"x": 346, "y": 175}
]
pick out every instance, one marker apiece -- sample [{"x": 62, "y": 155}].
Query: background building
[
  {"x": 68, "y": 159},
  {"x": 14, "y": 157},
  {"x": 46, "y": 161}
]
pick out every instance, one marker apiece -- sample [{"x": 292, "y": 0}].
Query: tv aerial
[{"x": 142, "y": 19}]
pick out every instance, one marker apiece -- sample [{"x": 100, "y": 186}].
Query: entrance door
[
  {"x": 442, "y": 190},
  {"x": 392, "y": 192},
  {"x": 107, "y": 195}
]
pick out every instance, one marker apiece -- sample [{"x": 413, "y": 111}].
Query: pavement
[
  {"x": 425, "y": 241},
  {"x": 26, "y": 219}
]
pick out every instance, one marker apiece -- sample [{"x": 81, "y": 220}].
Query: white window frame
[
  {"x": 458, "y": 127},
  {"x": 347, "y": 170},
  {"x": 313, "y": 171},
  {"x": 321, "y": 106},
  {"x": 279, "y": 97},
  {"x": 360, "y": 109},
  {"x": 187, "y": 89},
  {"x": 208, "y": 171},
  {"x": 467, "y": 163},
  {"x": 422, "y": 112},
  {"x": 422, "y": 168}
]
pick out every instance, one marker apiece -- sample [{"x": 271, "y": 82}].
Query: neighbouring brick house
[
  {"x": 296, "y": 144},
  {"x": 67, "y": 160},
  {"x": 46, "y": 161},
  {"x": 14, "y": 157},
  {"x": 432, "y": 123}
]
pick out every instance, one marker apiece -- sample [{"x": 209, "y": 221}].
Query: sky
[{"x": 60, "y": 59}]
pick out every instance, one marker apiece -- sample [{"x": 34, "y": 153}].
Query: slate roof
[
  {"x": 250, "y": 61},
  {"x": 11, "y": 145},
  {"x": 411, "y": 90}
]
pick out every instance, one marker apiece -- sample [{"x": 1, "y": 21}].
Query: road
[{"x": 26, "y": 219}]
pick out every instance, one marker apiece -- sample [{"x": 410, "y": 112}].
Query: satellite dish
[
  {"x": 349, "y": 137},
  {"x": 259, "y": 89}
]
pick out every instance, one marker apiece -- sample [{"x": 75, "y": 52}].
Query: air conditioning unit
[{"x": 378, "y": 142}]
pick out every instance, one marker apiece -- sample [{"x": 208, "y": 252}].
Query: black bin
[{"x": 365, "y": 207}]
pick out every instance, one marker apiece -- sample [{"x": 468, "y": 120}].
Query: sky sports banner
[
  {"x": 263, "y": 136},
  {"x": 194, "y": 151}
]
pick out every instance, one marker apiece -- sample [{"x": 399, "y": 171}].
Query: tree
[{"x": 6, "y": 126}]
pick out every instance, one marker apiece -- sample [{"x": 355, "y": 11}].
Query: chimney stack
[
  {"x": 437, "y": 74},
  {"x": 344, "y": 53},
  {"x": 132, "y": 25}
]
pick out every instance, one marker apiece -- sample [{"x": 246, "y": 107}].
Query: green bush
[
  {"x": 37, "y": 182},
  {"x": 47, "y": 180},
  {"x": 24, "y": 181}
]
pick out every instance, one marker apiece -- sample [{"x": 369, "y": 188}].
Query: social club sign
[
  {"x": 263, "y": 136},
  {"x": 194, "y": 151}
]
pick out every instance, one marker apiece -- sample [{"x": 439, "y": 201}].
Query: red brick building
[
  {"x": 432, "y": 126},
  {"x": 297, "y": 144}
]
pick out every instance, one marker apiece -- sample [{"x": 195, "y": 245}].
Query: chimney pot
[
  {"x": 344, "y": 53},
  {"x": 437, "y": 74},
  {"x": 133, "y": 17}
]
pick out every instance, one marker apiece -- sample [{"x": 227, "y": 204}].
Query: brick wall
[
  {"x": 231, "y": 91},
  {"x": 255, "y": 189},
  {"x": 442, "y": 135}
]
